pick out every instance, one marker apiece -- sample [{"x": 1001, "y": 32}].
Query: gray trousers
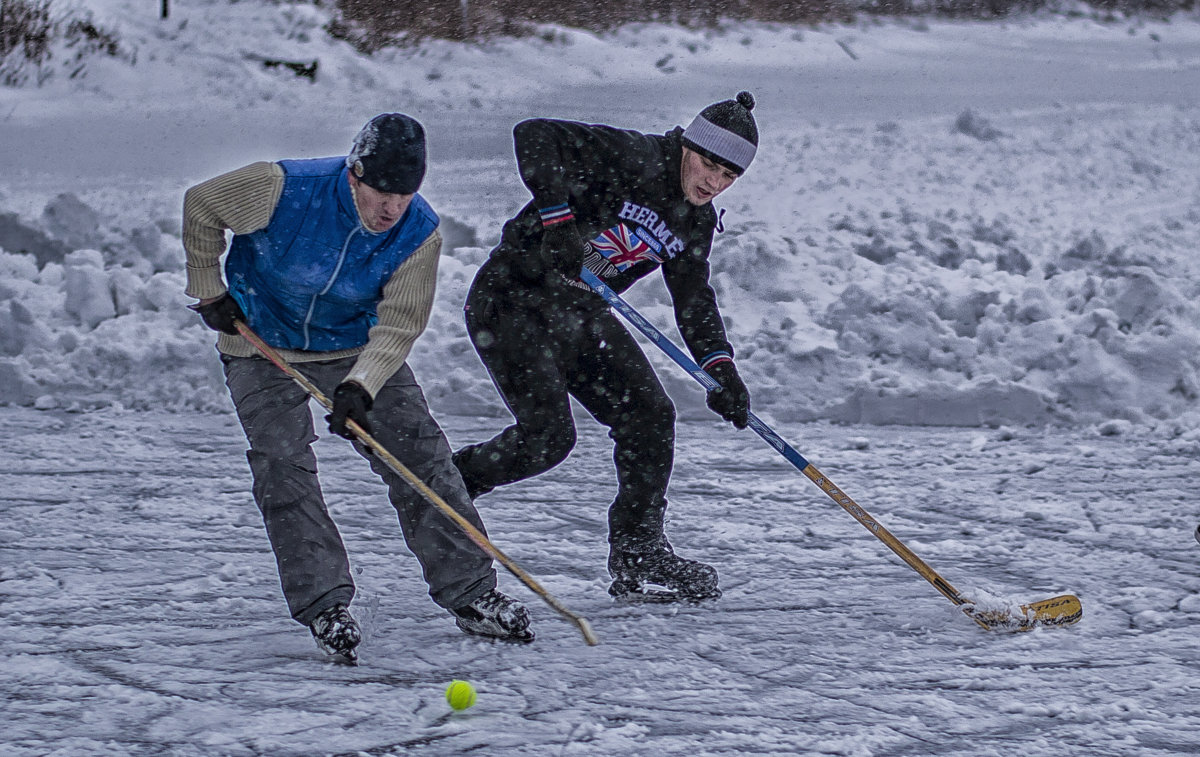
[{"x": 313, "y": 566}]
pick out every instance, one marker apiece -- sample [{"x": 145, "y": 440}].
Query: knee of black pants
[
  {"x": 548, "y": 447},
  {"x": 280, "y": 481},
  {"x": 653, "y": 424},
  {"x": 661, "y": 412}
]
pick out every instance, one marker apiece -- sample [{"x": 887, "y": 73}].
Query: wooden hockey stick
[
  {"x": 1057, "y": 611},
  {"x": 428, "y": 494}
]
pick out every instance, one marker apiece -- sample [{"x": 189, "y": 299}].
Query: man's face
[
  {"x": 379, "y": 211},
  {"x": 703, "y": 179}
]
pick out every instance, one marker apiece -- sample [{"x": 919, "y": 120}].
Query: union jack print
[{"x": 623, "y": 248}]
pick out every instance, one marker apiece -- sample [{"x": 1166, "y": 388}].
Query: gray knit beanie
[{"x": 725, "y": 132}]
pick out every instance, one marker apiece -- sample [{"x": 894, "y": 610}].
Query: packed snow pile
[
  {"x": 980, "y": 266},
  {"x": 1044, "y": 277}
]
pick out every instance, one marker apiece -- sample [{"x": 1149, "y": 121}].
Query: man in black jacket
[{"x": 622, "y": 203}]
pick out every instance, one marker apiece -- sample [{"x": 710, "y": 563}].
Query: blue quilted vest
[{"x": 311, "y": 280}]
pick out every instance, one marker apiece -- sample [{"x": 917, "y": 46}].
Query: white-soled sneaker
[{"x": 652, "y": 572}]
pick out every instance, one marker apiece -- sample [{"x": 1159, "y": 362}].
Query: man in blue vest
[{"x": 334, "y": 262}]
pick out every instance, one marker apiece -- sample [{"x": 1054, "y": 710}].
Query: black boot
[
  {"x": 650, "y": 571},
  {"x": 337, "y": 633},
  {"x": 496, "y": 616}
]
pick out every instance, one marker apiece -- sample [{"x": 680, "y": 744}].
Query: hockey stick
[
  {"x": 1057, "y": 611},
  {"x": 428, "y": 494}
]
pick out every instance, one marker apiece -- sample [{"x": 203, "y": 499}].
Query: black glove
[
  {"x": 350, "y": 403},
  {"x": 220, "y": 314},
  {"x": 563, "y": 248},
  {"x": 732, "y": 401}
]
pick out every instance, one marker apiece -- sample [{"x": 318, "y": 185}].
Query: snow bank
[
  {"x": 980, "y": 266},
  {"x": 924, "y": 275}
]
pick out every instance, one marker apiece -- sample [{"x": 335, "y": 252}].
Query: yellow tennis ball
[{"x": 460, "y": 694}]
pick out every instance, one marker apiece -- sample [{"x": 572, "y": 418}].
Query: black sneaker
[
  {"x": 337, "y": 633},
  {"x": 652, "y": 572},
  {"x": 496, "y": 616}
]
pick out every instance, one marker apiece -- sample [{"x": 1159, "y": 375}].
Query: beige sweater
[{"x": 243, "y": 201}]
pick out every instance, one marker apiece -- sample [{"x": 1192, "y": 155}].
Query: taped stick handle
[{"x": 420, "y": 486}]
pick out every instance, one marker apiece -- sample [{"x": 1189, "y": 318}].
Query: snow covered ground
[{"x": 961, "y": 279}]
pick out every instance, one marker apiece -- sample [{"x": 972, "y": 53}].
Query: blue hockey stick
[
  {"x": 689, "y": 365},
  {"x": 1056, "y": 611}
]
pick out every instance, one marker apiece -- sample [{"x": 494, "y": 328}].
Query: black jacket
[{"x": 624, "y": 189}]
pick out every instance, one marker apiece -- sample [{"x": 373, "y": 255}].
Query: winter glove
[
  {"x": 563, "y": 248},
  {"x": 350, "y": 403},
  {"x": 221, "y": 313},
  {"x": 732, "y": 401}
]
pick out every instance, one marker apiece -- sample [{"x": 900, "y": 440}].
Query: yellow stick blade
[{"x": 1062, "y": 610}]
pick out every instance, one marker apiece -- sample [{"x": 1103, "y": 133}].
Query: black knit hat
[
  {"x": 389, "y": 154},
  {"x": 725, "y": 132}
]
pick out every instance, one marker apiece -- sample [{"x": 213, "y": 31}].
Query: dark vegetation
[
  {"x": 372, "y": 24},
  {"x": 42, "y": 38},
  {"x": 33, "y": 35}
]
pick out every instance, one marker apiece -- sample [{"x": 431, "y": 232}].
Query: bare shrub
[
  {"x": 371, "y": 24},
  {"x": 32, "y": 35},
  {"x": 985, "y": 9},
  {"x": 25, "y": 30}
]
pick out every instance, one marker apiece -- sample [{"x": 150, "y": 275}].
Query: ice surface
[{"x": 142, "y": 612}]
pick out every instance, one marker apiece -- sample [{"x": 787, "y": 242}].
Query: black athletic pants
[{"x": 540, "y": 351}]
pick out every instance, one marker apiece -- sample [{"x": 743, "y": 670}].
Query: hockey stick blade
[
  {"x": 1057, "y": 611},
  {"x": 1063, "y": 610}
]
